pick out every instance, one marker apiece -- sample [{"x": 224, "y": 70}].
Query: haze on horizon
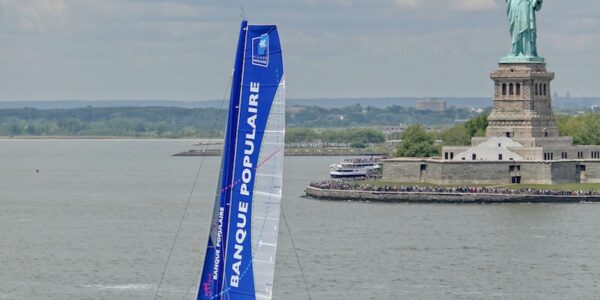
[{"x": 184, "y": 49}]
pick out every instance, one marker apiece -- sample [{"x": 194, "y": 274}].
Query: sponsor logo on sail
[{"x": 260, "y": 50}]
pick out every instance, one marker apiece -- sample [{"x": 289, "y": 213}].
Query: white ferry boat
[{"x": 356, "y": 167}]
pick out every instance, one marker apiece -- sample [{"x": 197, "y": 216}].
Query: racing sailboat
[{"x": 240, "y": 256}]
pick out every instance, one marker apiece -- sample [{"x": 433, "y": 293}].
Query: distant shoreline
[
  {"x": 97, "y": 138},
  {"x": 324, "y": 151},
  {"x": 441, "y": 198}
]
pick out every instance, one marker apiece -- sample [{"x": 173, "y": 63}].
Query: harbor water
[{"x": 95, "y": 219}]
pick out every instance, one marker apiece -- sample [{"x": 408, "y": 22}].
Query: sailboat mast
[{"x": 211, "y": 281}]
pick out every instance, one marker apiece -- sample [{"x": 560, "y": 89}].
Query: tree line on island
[
  {"x": 174, "y": 122},
  {"x": 357, "y": 115},
  {"x": 353, "y": 126},
  {"x": 169, "y": 122},
  {"x": 349, "y": 137},
  {"x": 418, "y": 142}
]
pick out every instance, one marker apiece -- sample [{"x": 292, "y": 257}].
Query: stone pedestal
[{"x": 522, "y": 102}]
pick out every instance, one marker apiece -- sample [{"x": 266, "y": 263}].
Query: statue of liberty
[{"x": 523, "y": 29}]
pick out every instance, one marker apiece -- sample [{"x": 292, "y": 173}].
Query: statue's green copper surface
[{"x": 523, "y": 29}]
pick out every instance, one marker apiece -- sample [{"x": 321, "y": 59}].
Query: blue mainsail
[{"x": 240, "y": 257}]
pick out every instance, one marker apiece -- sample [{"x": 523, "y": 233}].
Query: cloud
[
  {"x": 182, "y": 49},
  {"x": 36, "y": 16},
  {"x": 458, "y": 5},
  {"x": 408, "y": 3},
  {"x": 328, "y": 2},
  {"x": 473, "y": 5}
]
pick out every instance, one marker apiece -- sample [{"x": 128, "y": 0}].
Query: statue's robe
[{"x": 521, "y": 15}]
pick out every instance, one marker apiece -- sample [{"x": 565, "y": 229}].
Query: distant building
[
  {"x": 432, "y": 105},
  {"x": 392, "y": 130}
]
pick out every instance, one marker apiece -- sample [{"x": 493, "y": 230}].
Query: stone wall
[
  {"x": 490, "y": 172},
  {"x": 535, "y": 172},
  {"x": 564, "y": 172},
  {"x": 406, "y": 171},
  {"x": 591, "y": 173},
  {"x": 475, "y": 172}
]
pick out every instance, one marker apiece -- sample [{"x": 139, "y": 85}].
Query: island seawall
[{"x": 449, "y": 198}]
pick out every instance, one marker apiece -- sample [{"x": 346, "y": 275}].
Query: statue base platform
[
  {"x": 521, "y": 59},
  {"x": 522, "y": 102}
]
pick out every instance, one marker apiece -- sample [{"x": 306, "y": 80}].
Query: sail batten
[{"x": 246, "y": 214}]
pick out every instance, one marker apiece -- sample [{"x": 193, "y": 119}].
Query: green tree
[
  {"x": 300, "y": 135},
  {"x": 457, "y": 135},
  {"x": 360, "y": 137},
  {"x": 585, "y": 129},
  {"x": 332, "y": 137},
  {"x": 417, "y": 142},
  {"x": 32, "y": 129},
  {"x": 71, "y": 125},
  {"x": 478, "y": 125},
  {"x": 161, "y": 128},
  {"x": 14, "y": 129}
]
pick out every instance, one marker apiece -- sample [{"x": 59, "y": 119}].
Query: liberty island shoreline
[
  {"x": 76, "y": 137},
  {"x": 443, "y": 197}
]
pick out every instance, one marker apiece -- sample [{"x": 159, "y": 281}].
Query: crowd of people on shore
[{"x": 361, "y": 186}]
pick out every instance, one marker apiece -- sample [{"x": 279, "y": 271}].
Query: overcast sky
[{"x": 184, "y": 49}]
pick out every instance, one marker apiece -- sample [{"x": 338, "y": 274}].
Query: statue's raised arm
[{"x": 523, "y": 29}]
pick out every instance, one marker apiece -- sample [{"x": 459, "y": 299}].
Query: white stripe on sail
[
  {"x": 268, "y": 175},
  {"x": 267, "y": 197},
  {"x": 267, "y": 194},
  {"x": 265, "y": 296},
  {"x": 261, "y": 243}
]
